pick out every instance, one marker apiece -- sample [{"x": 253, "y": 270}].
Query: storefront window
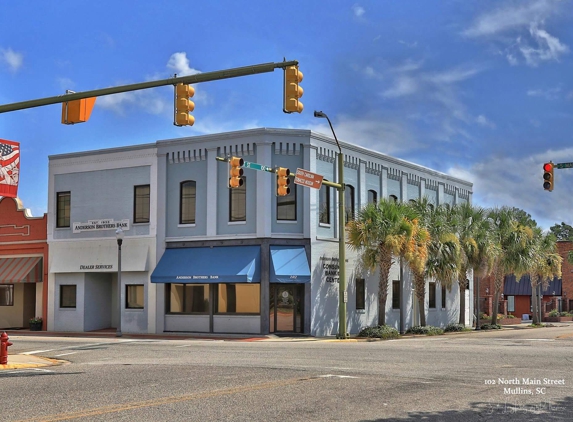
[
  {"x": 134, "y": 296},
  {"x": 68, "y": 296},
  {"x": 6, "y": 295},
  {"x": 188, "y": 298},
  {"x": 243, "y": 298}
]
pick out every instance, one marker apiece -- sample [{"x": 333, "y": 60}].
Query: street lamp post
[
  {"x": 119, "y": 237},
  {"x": 342, "y": 298}
]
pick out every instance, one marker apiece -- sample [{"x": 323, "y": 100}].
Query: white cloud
[
  {"x": 409, "y": 44},
  {"x": 373, "y": 132},
  {"x": 145, "y": 100},
  {"x": 523, "y": 22},
  {"x": 509, "y": 17},
  {"x": 484, "y": 121},
  {"x": 453, "y": 75},
  {"x": 547, "y": 47},
  {"x": 548, "y": 94},
  {"x": 515, "y": 181},
  {"x": 13, "y": 59},
  {"x": 179, "y": 63},
  {"x": 403, "y": 85},
  {"x": 358, "y": 10}
]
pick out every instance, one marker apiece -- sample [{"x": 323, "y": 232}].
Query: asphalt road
[{"x": 512, "y": 375}]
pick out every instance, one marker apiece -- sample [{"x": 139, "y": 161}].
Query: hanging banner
[{"x": 9, "y": 168}]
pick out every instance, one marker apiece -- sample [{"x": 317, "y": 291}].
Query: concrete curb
[{"x": 27, "y": 361}]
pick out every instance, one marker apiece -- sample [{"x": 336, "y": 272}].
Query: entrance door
[{"x": 286, "y": 308}]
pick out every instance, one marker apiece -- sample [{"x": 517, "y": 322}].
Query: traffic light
[
  {"x": 548, "y": 176},
  {"x": 183, "y": 105},
  {"x": 283, "y": 181},
  {"x": 236, "y": 172},
  {"x": 293, "y": 91},
  {"x": 77, "y": 111}
]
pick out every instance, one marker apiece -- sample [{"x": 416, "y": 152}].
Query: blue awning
[
  {"x": 225, "y": 264},
  {"x": 289, "y": 265}
]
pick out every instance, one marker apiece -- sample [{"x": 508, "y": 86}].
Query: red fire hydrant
[{"x": 4, "y": 343}]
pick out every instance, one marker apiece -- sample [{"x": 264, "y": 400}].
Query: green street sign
[
  {"x": 256, "y": 166},
  {"x": 564, "y": 165}
]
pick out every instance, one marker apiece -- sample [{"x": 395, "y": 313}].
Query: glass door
[{"x": 286, "y": 307}]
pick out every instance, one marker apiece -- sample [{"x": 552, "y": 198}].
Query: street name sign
[
  {"x": 256, "y": 166},
  {"x": 306, "y": 178}
]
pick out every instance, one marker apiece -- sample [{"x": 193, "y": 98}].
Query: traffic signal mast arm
[
  {"x": 192, "y": 79},
  {"x": 261, "y": 167}
]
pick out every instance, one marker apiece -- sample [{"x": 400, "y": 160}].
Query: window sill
[
  {"x": 134, "y": 309},
  {"x": 236, "y": 223},
  {"x": 325, "y": 225},
  {"x": 185, "y": 225},
  {"x": 287, "y": 221}
]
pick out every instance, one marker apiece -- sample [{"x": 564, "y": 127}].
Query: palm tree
[
  {"x": 477, "y": 249},
  {"x": 379, "y": 233},
  {"x": 514, "y": 242},
  {"x": 441, "y": 249},
  {"x": 546, "y": 264}
]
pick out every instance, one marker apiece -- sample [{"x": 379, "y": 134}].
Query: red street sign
[{"x": 308, "y": 179}]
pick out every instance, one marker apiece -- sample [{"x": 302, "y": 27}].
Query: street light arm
[{"x": 320, "y": 114}]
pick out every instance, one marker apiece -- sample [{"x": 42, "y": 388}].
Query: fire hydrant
[{"x": 4, "y": 343}]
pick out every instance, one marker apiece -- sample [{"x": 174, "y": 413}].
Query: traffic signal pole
[{"x": 192, "y": 79}]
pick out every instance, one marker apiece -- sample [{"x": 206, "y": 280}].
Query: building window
[
  {"x": 360, "y": 294},
  {"x": 432, "y": 295},
  {"x": 240, "y": 298},
  {"x": 349, "y": 202},
  {"x": 393, "y": 198},
  {"x": 286, "y": 206},
  {"x": 238, "y": 202},
  {"x": 6, "y": 295},
  {"x": 134, "y": 296},
  {"x": 396, "y": 294},
  {"x": 511, "y": 304},
  {"x": 324, "y": 205},
  {"x": 443, "y": 297},
  {"x": 372, "y": 196},
  {"x": 187, "y": 201},
  {"x": 141, "y": 204},
  {"x": 63, "y": 209},
  {"x": 188, "y": 298},
  {"x": 68, "y": 296}
]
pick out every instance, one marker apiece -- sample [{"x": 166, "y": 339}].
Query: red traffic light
[{"x": 547, "y": 166}]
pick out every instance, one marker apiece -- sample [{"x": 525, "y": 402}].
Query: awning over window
[
  {"x": 21, "y": 270},
  {"x": 224, "y": 264},
  {"x": 289, "y": 265}
]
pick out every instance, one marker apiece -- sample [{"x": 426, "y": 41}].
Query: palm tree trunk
[
  {"x": 385, "y": 265},
  {"x": 462, "y": 319},
  {"x": 498, "y": 281},
  {"x": 534, "y": 281},
  {"x": 422, "y": 307}
]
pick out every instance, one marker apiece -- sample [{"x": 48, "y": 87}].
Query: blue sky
[{"x": 481, "y": 90}]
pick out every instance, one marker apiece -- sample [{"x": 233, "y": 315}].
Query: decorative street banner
[
  {"x": 93, "y": 225},
  {"x": 9, "y": 168}
]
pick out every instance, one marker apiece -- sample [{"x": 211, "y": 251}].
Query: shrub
[
  {"x": 450, "y": 328},
  {"x": 510, "y": 316},
  {"x": 483, "y": 315},
  {"x": 427, "y": 330},
  {"x": 563, "y": 314},
  {"x": 553, "y": 313},
  {"x": 491, "y": 327},
  {"x": 379, "y": 331}
]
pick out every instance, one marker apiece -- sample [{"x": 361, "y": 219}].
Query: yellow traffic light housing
[
  {"x": 292, "y": 90},
  {"x": 184, "y": 105},
  {"x": 77, "y": 111},
  {"x": 283, "y": 181},
  {"x": 235, "y": 172},
  {"x": 548, "y": 176}
]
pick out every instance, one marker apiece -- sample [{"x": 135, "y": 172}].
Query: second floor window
[
  {"x": 349, "y": 202},
  {"x": 286, "y": 205},
  {"x": 324, "y": 205},
  {"x": 64, "y": 200},
  {"x": 141, "y": 204},
  {"x": 187, "y": 201},
  {"x": 238, "y": 202}
]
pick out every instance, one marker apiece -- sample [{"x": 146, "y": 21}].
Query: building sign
[
  {"x": 197, "y": 277},
  {"x": 84, "y": 267},
  {"x": 330, "y": 269},
  {"x": 95, "y": 225}
]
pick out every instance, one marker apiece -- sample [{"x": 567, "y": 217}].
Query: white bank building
[{"x": 198, "y": 257}]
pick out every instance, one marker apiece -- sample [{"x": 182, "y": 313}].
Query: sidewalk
[{"x": 28, "y": 361}]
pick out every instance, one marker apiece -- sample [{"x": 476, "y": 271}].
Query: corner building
[{"x": 202, "y": 258}]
